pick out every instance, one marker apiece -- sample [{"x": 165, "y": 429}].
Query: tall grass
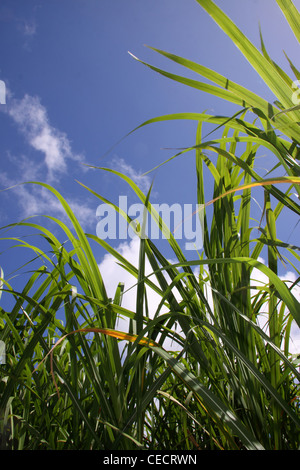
[{"x": 231, "y": 385}]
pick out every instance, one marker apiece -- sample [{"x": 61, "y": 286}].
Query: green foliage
[{"x": 231, "y": 385}]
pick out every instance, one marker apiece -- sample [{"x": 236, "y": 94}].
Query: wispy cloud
[
  {"x": 54, "y": 148},
  {"x": 113, "y": 273},
  {"x": 143, "y": 182},
  {"x": 32, "y": 120},
  {"x": 28, "y": 28},
  {"x": 259, "y": 279},
  {"x": 34, "y": 200}
]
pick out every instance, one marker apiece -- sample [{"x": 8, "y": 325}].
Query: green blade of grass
[
  {"x": 292, "y": 15},
  {"x": 213, "y": 402},
  {"x": 256, "y": 59}
]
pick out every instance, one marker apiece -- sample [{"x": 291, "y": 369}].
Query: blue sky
[{"x": 73, "y": 92}]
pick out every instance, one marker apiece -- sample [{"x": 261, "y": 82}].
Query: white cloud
[
  {"x": 143, "y": 182},
  {"x": 32, "y": 120},
  {"x": 289, "y": 279},
  {"x": 25, "y": 169},
  {"x": 28, "y": 28},
  {"x": 39, "y": 201},
  {"x": 259, "y": 279},
  {"x": 34, "y": 200},
  {"x": 113, "y": 273}
]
